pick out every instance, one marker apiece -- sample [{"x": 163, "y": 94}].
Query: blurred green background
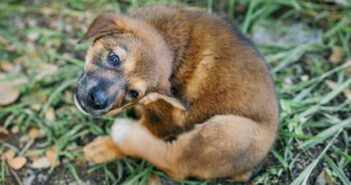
[{"x": 307, "y": 44}]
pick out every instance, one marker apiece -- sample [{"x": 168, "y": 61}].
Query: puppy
[{"x": 188, "y": 75}]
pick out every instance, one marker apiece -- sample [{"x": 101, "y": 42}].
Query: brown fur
[{"x": 231, "y": 112}]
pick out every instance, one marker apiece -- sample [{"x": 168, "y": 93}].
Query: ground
[{"x": 307, "y": 44}]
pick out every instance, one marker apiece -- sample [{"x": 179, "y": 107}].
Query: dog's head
[{"x": 127, "y": 60}]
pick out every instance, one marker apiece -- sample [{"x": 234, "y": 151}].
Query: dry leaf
[
  {"x": 33, "y": 158},
  {"x": 45, "y": 70},
  {"x": 50, "y": 115},
  {"x": 8, "y": 154},
  {"x": 9, "y": 93},
  {"x": 17, "y": 162},
  {"x": 51, "y": 156},
  {"x": 23, "y": 140},
  {"x": 304, "y": 78},
  {"x": 287, "y": 82},
  {"x": 15, "y": 129},
  {"x": 347, "y": 93},
  {"x": 7, "y": 66},
  {"x": 323, "y": 179},
  {"x": 333, "y": 85},
  {"x": 33, "y": 133},
  {"x": 154, "y": 180},
  {"x": 3, "y": 131},
  {"x": 41, "y": 163},
  {"x": 336, "y": 55},
  {"x": 35, "y": 107}
]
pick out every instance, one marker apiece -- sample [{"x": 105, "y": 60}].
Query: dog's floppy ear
[
  {"x": 105, "y": 24},
  {"x": 155, "y": 96}
]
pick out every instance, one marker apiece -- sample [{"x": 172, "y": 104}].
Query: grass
[{"x": 314, "y": 142}]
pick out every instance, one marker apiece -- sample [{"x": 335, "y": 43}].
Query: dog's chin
[
  {"x": 78, "y": 105},
  {"x": 82, "y": 108}
]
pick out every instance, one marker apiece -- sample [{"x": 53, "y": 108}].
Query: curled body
[{"x": 187, "y": 75}]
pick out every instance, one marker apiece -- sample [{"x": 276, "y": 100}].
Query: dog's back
[{"x": 216, "y": 69}]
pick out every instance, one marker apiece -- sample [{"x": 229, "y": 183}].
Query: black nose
[{"x": 97, "y": 98}]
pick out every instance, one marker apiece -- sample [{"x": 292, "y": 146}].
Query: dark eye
[
  {"x": 133, "y": 94},
  {"x": 113, "y": 59}
]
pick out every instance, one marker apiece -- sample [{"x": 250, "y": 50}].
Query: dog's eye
[
  {"x": 113, "y": 59},
  {"x": 133, "y": 94}
]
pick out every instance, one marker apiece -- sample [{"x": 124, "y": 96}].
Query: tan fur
[
  {"x": 223, "y": 108},
  {"x": 139, "y": 84}
]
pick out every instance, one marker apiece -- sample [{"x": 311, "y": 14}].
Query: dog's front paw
[
  {"x": 121, "y": 130},
  {"x": 101, "y": 150},
  {"x": 131, "y": 137}
]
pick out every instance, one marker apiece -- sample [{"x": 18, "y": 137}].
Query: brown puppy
[{"x": 188, "y": 75}]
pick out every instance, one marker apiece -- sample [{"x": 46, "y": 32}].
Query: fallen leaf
[
  {"x": 35, "y": 107},
  {"x": 154, "y": 180},
  {"x": 287, "y": 82},
  {"x": 23, "y": 140},
  {"x": 45, "y": 70},
  {"x": 33, "y": 36},
  {"x": 51, "y": 156},
  {"x": 50, "y": 115},
  {"x": 17, "y": 162},
  {"x": 323, "y": 179},
  {"x": 304, "y": 78},
  {"x": 7, "y": 66},
  {"x": 332, "y": 85},
  {"x": 41, "y": 163},
  {"x": 3, "y": 131},
  {"x": 33, "y": 133},
  {"x": 347, "y": 93},
  {"x": 8, "y": 154},
  {"x": 33, "y": 158},
  {"x": 9, "y": 93},
  {"x": 15, "y": 129},
  {"x": 336, "y": 55}
]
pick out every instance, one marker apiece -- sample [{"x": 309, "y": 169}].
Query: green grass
[{"x": 314, "y": 134}]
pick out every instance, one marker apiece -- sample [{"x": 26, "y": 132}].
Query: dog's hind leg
[{"x": 223, "y": 146}]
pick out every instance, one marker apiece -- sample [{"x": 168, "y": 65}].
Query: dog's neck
[
  {"x": 164, "y": 60},
  {"x": 163, "y": 55},
  {"x": 182, "y": 48}
]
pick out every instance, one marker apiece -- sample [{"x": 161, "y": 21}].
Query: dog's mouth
[
  {"x": 79, "y": 104},
  {"x": 110, "y": 111},
  {"x": 86, "y": 110}
]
